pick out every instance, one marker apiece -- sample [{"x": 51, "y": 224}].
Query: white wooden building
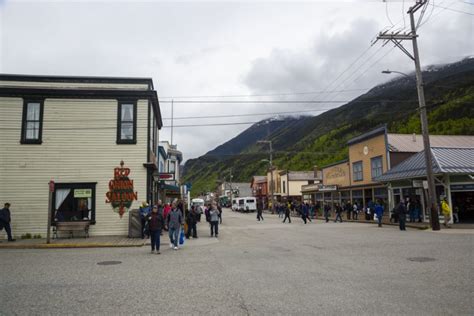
[{"x": 76, "y": 131}]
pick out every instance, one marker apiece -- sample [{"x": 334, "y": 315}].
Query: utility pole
[
  {"x": 397, "y": 38},
  {"x": 172, "y": 110},
  {"x": 272, "y": 187}
]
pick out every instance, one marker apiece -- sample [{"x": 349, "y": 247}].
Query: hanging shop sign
[{"x": 121, "y": 194}]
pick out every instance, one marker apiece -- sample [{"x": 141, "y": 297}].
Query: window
[
  {"x": 357, "y": 171},
  {"x": 284, "y": 187},
  {"x": 376, "y": 166},
  {"x": 127, "y": 123},
  {"x": 73, "y": 202},
  {"x": 32, "y": 126},
  {"x": 172, "y": 167}
]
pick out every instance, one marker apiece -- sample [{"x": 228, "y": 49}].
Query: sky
[{"x": 213, "y": 51}]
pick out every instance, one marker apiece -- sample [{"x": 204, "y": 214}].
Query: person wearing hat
[
  {"x": 144, "y": 211},
  {"x": 446, "y": 210}
]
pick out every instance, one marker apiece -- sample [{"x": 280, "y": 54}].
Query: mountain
[{"x": 300, "y": 143}]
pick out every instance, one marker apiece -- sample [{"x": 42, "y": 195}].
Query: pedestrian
[
  {"x": 259, "y": 213},
  {"x": 280, "y": 210},
  {"x": 348, "y": 210},
  {"x": 191, "y": 220},
  {"x": 287, "y": 214},
  {"x": 355, "y": 211},
  {"x": 220, "y": 214},
  {"x": 311, "y": 210},
  {"x": 401, "y": 210},
  {"x": 338, "y": 213},
  {"x": 446, "y": 210},
  {"x": 5, "y": 220},
  {"x": 411, "y": 210},
  {"x": 144, "y": 212},
  {"x": 304, "y": 212},
  {"x": 456, "y": 214},
  {"x": 166, "y": 211},
  {"x": 174, "y": 221},
  {"x": 327, "y": 211},
  {"x": 155, "y": 225},
  {"x": 379, "y": 212},
  {"x": 214, "y": 220}
]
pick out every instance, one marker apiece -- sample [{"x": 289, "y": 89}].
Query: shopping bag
[{"x": 181, "y": 237}]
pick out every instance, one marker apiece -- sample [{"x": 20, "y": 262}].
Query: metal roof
[
  {"x": 444, "y": 160},
  {"x": 258, "y": 179},
  {"x": 414, "y": 143},
  {"x": 368, "y": 135}
]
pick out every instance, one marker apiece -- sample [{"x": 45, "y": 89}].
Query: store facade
[
  {"x": 454, "y": 179},
  {"x": 94, "y": 137}
]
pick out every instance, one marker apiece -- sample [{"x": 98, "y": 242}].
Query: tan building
[
  {"x": 371, "y": 155},
  {"x": 76, "y": 131},
  {"x": 291, "y": 183}
]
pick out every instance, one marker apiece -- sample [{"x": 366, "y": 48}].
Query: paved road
[{"x": 253, "y": 269}]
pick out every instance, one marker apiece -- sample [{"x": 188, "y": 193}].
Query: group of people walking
[{"x": 178, "y": 221}]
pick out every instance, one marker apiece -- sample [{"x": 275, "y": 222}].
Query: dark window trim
[
  {"x": 72, "y": 186},
  {"x": 23, "y": 139},
  {"x": 119, "y": 123},
  {"x": 361, "y": 171}
]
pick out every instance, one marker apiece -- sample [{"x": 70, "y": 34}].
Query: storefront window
[{"x": 73, "y": 202}]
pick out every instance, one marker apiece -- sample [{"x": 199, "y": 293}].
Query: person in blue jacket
[{"x": 379, "y": 212}]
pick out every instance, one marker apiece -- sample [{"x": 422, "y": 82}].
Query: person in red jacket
[{"x": 166, "y": 211}]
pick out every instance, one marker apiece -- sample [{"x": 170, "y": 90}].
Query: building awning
[
  {"x": 171, "y": 188},
  {"x": 443, "y": 160}
]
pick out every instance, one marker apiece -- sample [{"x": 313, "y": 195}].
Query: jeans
[
  {"x": 174, "y": 235},
  {"x": 379, "y": 219},
  {"x": 8, "y": 229},
  {"x": 338, "y": 216},
  {"x": 355, "y": 215},
  {"x": 214, "y": 228},
  {"x": 155, "y": 239},
  {"x": 143, "y": 221},
  {"x": 326, "y": 216},
  {"x": 303, "y": 217},
  {"x": 287, "y": 216},
  {"x": 259, "y": 216},
  {"x": 191, "y": 230},
  {"x": 402, "y": 221}
]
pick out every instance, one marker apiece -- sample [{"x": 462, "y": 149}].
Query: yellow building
[{"x": 76, "y": 131}]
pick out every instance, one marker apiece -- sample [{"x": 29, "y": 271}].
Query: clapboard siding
[{"x": 79, "y": 145}]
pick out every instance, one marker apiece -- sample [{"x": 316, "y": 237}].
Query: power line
[
  {"x": 281, "y": 101},
  {"x": 450, "y": 9},
  {"x": 259, "y": 95}
]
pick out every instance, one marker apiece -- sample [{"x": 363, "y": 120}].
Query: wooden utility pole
[{"x": 397, "y": 38}]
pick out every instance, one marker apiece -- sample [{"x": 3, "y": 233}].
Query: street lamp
[
  {"x": 269, "y": 142},
  {"x": 426, "y": 142}
]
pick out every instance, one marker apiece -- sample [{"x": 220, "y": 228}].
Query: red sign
[
  {"x": 51, "y": 186},
  {"x": 166, "y": 176},
  {"x": 121, "y": 194}
]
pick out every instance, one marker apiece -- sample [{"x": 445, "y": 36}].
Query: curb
[{"x": 65, "y": 246}]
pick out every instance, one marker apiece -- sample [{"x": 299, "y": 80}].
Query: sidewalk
[{"x": 91, "y": 242}]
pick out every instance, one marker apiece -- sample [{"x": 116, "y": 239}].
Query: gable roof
[{"x": 443, "y": 160}]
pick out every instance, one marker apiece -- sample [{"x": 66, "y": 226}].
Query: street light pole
[
  {"x": 397, "y": 38},
  {"x": 272, "y": 189}
]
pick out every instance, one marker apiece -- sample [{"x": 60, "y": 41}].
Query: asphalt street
[{"x": 254, "y": 268}]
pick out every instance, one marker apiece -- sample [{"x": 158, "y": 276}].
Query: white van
[
  {"x": 250, "y": 204},
  {"x": 199, "y": 204}
]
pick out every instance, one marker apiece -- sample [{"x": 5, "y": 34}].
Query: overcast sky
[{"x": 226, "y": 48}]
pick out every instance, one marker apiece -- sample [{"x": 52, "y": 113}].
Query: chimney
[
  {"x": 315, "y": 170},
  {"x": 414, "y": 137}
]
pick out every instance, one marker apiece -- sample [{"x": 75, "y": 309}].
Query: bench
[{"x": 71, "y": 227}]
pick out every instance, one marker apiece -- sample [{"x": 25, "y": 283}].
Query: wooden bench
[{"x": 71, "y": 227}]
